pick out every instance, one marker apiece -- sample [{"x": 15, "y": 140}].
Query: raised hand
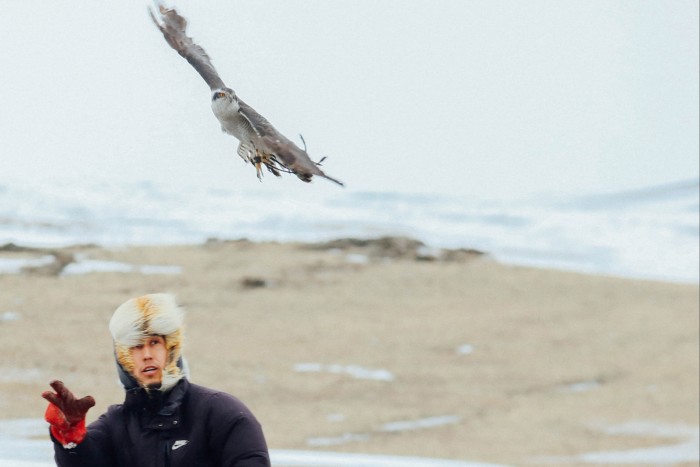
[
  {"x": 66, "y": 414},
  {"x": 73, "y": 409}
]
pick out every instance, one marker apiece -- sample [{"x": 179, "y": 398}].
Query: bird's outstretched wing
[
  {"x": 272, "y": 147},
  {"x": 173, "y": 26}
]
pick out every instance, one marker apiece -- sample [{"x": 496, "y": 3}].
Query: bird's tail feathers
[{"x": 333, "y": 179}]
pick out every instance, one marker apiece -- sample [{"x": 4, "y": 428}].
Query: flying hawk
[{"x": 260, "y": 143}]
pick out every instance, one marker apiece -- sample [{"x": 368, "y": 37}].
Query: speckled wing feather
[
  {"x": 173, "y": 27},
  {"x": 275, "y": 143},
  {"x": 260, "y": 125}
]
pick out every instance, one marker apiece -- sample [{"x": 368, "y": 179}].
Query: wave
[{"x": 650, "y": 233}]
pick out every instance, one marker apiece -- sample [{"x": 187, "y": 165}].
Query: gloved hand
[{"x": 66, "y": 414}]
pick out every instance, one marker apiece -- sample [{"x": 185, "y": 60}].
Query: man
[{"x": 165, "y": 420}]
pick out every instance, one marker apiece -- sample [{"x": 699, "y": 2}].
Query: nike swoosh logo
[{"x": 179, "y": 444}]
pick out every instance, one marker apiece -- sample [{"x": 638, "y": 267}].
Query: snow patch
[
  {"x": 581, "y": 386},
  {"x": 421, "y": 423},
  {"x": 390, "y": 427},
  {"x": 89, "y": 266},
  {"x": 687, "y": 450},
  {"x": 338, "y": 440},
  {"x": 9, "y": 316},
  {"x": 465, "y": 349},
  {"x": 356, "y": 258},
  {"x": 16, "y": 265},
  {"x": 355, "y": 371},
  {"x": 24, "y": 442}
]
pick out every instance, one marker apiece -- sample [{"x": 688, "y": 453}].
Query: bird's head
[
  {"x": 224, "y": 101},
  {"x": 226, "y": 93}
]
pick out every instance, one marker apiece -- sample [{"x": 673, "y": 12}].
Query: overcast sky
[{"x": 482, "y": 98}]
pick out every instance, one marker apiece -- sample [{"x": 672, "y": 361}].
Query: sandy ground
[{"x": 520, "y": 363}]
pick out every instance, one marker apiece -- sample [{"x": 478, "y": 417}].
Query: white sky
[{"x": 483, "y": 98}]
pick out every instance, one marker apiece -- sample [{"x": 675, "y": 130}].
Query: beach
[{"x": 377, "y": 348}]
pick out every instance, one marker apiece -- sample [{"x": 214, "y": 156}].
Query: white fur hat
[{"x": 149, "y": 315}]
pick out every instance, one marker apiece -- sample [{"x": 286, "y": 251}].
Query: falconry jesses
[{"x": 260, "y": 142}]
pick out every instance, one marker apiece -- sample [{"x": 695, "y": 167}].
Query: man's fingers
[
  {"x": 51, "y": 397},
  {"x": 73, "y": 409},
  {"x": 86, "y": 402},
  {"x": 56, "y": 385},
  {"x": 61, "y": 389}
]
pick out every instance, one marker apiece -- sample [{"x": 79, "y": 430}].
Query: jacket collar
[{"x": 155, "y": 401}]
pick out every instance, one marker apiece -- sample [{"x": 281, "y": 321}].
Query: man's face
[{"x": 150, "y": 359}]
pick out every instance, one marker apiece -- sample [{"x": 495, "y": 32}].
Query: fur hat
[{"x": 140, "y": 317}]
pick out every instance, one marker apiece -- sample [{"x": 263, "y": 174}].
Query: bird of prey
[{"x": 260, "y": 143}]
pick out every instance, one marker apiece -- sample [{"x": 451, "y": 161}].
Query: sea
[{"x": 647, "y": 233}]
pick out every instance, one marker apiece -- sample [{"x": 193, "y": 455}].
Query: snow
[
  {"x": 355, "y": 371},
  {"x": 90, "y": 266},
  {"x": 24, "y": 443},
  {"x": 15, "y": 265}
]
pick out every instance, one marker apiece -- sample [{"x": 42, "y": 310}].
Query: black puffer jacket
[{"x": 189, "y": 426}]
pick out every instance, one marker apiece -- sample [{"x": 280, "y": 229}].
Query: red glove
[{"x": 66, "y": 414}]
